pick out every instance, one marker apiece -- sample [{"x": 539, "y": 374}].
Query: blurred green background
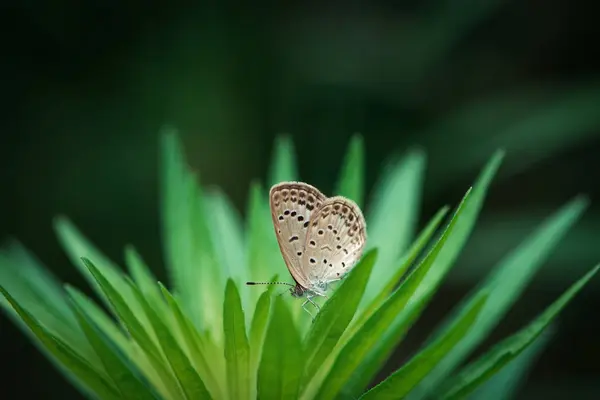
[{"x": 87, "y": 87}]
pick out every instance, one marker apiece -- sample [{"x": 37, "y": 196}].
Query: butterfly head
[{"x": 298, "y": 290}]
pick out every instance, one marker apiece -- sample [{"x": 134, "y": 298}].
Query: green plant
[{"x": 209, "y": 336}]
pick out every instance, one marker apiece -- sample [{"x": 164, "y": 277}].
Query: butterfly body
[
  {"x": 320, "y": 238},
  {"x": 318, "y": 289}
]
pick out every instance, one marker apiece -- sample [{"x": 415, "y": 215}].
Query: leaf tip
[
  {"x": 90, "y": 266},
  {"x": 581, "y": 201},
  {"x": 168, "y": 131},
  {"x": 60, "y": 221}
]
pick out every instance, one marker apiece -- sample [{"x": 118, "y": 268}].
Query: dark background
[{"x": 86, "y": 89}]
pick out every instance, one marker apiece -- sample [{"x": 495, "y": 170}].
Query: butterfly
[{"x": 321, "y": 238}]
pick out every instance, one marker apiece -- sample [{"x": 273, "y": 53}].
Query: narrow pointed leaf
[
  {"x": 351, "y": 183},
  {"x": 178, "y": 194},
  {"x": 282, "y": 361},
  {"x": 189, "y": 380},
  {"x": 107, "y": 326},
  {"x": 100, "y": 319},
  {"x": 135, "y": 329},
  {"x": 505, "y": 384},
  {"x": 16, "y": 269},
  {"x": 505, "y": 285},
  {"x": 65, "y": 354},
  {"x": 188, "y": 248},
  {"x": 283, "y": 166},
  {"x": 403, "y": 380},
  {"x": 77, "y": 246},
  {"x": 496, "y": 358},
  {"x": 426, "y": 289},
  {"x": 465, "y": 225},
  {"x": 257, "y": 337},
  {"x": 237, "y": 351},
  {"x": 335, "y": 315},
  {"x": 406, "y": 261},
  {"x": 143, "y": 277},
  {"x": 194, "y": 346},
  {"x": 347, "y": 368},
  {"x": 21, "y": 264},
  {"x": 128, "y": 384},
  {"x": 228, "y": 237},
  {"x": 392, "y": 217}
]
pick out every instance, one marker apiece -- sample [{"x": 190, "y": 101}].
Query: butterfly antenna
[{"x": 269, "y": 283}]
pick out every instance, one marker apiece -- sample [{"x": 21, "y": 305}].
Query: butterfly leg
[{"x": 305, "y": 309}]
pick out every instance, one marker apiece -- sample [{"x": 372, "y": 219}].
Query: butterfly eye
[
  {"x": 300, "y": 218},
  {"x": 293, "y": 214}
]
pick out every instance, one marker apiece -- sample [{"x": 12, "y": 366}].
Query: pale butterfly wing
[
  {"x": 335, "y": 240},
  {"x": 292, "y": 205}
]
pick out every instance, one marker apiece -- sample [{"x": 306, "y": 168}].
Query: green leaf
[
  {"x": 65, "y": 354},
  {"x": 505, "y": 384},
  {"x": 21, "y": 265},
  {"x": 404, "y": 379},
  {"x": 463, "y": 228},
  {"x": 100, "y": 319},
  {"x": 469, "y": 209},
  {"x": 187, "y": 376},
  {"x": 407, "y": 260},
  {"x": 178, "y": 195},
  {"x": 392, "y": 217},
  {"x": 283, "y": 165},
  {"x": 142, "y": 276},
  {"x": 505, "y": 284},
  {"x": 194, "y": 345},
  {"x": 351, "y": 183},
  {"x": 188, "y": 248},
  {"x": 19, "y": 276},
  {"x": 349, "y": 368},
  {"x": 108, "y": 327},
  {"x": 336, "y": 314},
  {"x": 135, "y": 329},
  {"x": 282, "y": 361},
  {"x": 77, "y": 246},
  {"x": 128, "y": 384},
  {"x": 228, "y": 237},
  {"x": 257, "y": 336},
  {"x": 237, "y": 351},
  {"x": 492, "y": 361}
]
